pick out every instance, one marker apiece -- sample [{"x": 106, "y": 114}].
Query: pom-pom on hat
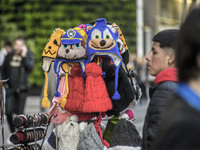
[{"x": 102, "y": 42}]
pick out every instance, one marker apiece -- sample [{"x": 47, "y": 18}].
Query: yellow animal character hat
[
  {"x": 48, "y": 55},
  {"x": 124, "y": 53}
]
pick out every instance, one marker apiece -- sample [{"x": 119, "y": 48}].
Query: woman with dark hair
[{"x": 180, "y": 127}]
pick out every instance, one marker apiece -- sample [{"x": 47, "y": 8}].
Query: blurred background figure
[
  {"x": 140, "y": 68},
  {"x": 7, "y": 47},
  {"x": 16, "y": 67},
  {"x": 141, "y": 78},
  {"x": 179, "y": 128}
]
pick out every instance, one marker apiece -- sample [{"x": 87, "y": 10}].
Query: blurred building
[{"x": 162, "y": 14}]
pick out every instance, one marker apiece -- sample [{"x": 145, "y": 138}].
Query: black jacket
[
  {"x": 159, "y": 96},
  {"x": 17, "y": 70},
  {"x": 179, "y": 128}
]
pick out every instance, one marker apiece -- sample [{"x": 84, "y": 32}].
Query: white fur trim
[
  {"x": 124, "y": 116},
  {"x": 82, "y": 126},
  {"x": 124, "y": 148}
]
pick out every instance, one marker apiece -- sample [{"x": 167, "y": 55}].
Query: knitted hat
[
  {"x": 102, "y": 42},
  {"x": 76, "y": 90},
  {"x": 70, "y": 135},
  {"x": 50, "y": 143},
  {"x": 89, "y": 139},
  {"x": 127, "y": 94},
  {"x": 71, "y": 37},
  {"x": 166, "y": 38},
  {"x": 122, "y": 46},
  {"x": 96, "y": 95},
  {"x": 125, "y": 133},
  {"x": 48, "y": 55},
  {"x": 110, "y": 127},
  {"x": 56, "y": 110},
  {"x": 128, "y": 115}
]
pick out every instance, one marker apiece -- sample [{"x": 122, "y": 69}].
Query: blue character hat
[
  {"x": 102, "y": 42},
  {"x": 71, "y": 37}
]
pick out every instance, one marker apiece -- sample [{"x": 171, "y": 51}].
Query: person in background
[
  {"x": 16, "y": 67},
  {"x": 7, "y": 47},
  {"x": 180, "y": 126},
  {"x": 161, "y": 64}
]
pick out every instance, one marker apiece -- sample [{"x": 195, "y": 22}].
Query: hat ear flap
[{"x": 88, "y": 27}]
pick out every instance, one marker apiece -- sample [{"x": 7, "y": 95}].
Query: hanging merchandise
[
  {"x": 26, "y": 147},
  {"x": 128, "y": 115},
  {"x": 71, "y": 52},
  {"x": 102, "y": 42},
  {"x": 59, "y": 114},
  {"x": 127, "y": 94},
  {"x": 27, "y": 136},
  {"x": 70, "y": 135},
  {"x": 89, "y": 139},
  {"x": 96, "y": 95},
  {"x": 76, "y": 94},
  {"x": 31, "y": 128},
  {"x": 125, "y": 134},
  {"x": 26, "y": 121},
  {"x": 48, "y": 55},
  {"x": 90, "y": 63}
]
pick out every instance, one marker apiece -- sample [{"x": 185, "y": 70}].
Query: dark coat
[
  {"x": 18, "y": 75},
  {"x": 179, "y": 128},
  {"x": 159, "y": 96}
]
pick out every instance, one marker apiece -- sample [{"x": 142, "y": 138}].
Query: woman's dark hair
[{"x": 188, "y": 47}]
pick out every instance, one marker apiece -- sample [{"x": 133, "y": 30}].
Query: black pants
[{"x": 15, "y": 103}]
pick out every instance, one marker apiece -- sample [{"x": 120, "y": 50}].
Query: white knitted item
[
  {"x": 89, "y": 139},
  {"x": 124, "y": 148},
  {"x": 70, "y": 134}
]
